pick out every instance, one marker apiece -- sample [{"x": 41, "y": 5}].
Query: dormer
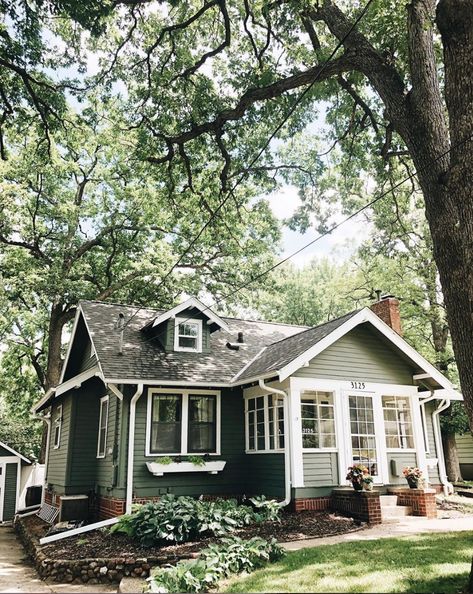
[{"x": 186, "y": 327}]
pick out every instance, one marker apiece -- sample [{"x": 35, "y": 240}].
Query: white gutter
[
  {"x": 287, "y": 453},
  {"x": 80, "y": 530},
  {"x": 131, "y": 448},
  {"x": 447, "y": 487},
  {"x": 47, "y": 420}
]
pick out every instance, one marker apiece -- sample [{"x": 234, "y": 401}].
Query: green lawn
[{"x": 423, "y": 563}]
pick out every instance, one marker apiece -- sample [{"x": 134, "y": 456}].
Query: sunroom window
[
  {"x": 188, "y": 335},
  {"x": 318, "y": 420},
  {"x": 57, "y": 427},
  {"x": 264, "y": 423},
  {"x": 398, "y": 423},
  {"x": 182, "y": 423}
]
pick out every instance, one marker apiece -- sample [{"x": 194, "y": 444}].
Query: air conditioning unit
[{"x": 73, "y": 507}]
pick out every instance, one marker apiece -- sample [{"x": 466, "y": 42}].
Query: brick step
[
  {"x": 395, "y": 511},
  {"x": 387, "y": 500}
]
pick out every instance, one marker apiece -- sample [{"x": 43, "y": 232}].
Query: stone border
[{"x": 92, "y": 571}]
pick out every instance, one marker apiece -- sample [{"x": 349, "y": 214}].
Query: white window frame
[
  {"x": 104, "y": 453},
  {"x": 184, "y": 421},
  {"x": 266, "y": 407},
  {"x": 179, "y": 321},
  {"x": 334, "y": 407},
  {"x": 58, "y": 423},
  {"x": 409, "y": 400}
]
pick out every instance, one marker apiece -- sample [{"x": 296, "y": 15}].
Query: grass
[{"x": 422, "y": 563}]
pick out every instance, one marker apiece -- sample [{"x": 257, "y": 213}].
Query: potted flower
[
  {"x": 367, "y": 482},
  {"x": 356, "y": 473},
  {"x": 413, "y": 476}
]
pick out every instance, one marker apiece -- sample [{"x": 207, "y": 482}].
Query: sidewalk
[
  {"x": 17, "y": 575},
  {"x": 408, "y": 526}
]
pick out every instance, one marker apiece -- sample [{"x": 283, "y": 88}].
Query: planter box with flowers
[{"x": 167, "y": 465}]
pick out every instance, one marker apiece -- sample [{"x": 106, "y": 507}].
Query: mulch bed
[{"x": 103, "y": 544}]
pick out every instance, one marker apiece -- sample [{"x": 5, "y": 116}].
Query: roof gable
[
  {"x": 190, "y": 304},
  {"x": 14, "y": 452}
]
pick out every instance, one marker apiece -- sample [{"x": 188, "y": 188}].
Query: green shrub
[
  {"x": 218, "y": 561},
  {"x": 267, "y": 509},
  {"x": 180, "y": 519}
]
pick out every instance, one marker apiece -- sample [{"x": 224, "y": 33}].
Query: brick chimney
[{"x": 387, "y": 308}]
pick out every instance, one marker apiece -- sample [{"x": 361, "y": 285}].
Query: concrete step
[
  {"x": 395, "y": 511},
  {"x": 387, "y": 500}
]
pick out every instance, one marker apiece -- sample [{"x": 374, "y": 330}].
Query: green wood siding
[
  {"x": 361, "y": 355},
  {"x": 402, "y": 460},
  {"x": 57, "y": 461},
  {"x": 465, "y": 455},
  {"x": 9, "y": 504},
  {"x": 264, "y": 474},
  {"x": 227, "y": 482},
  {"x": 195, "y": 314},
  {"x": 320, "y": 469}
]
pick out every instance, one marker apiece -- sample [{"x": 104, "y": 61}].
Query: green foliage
[
  {"x": 454, "y": 419},
  {"x": 181, "y": 519},
  {"x": 164, "y": 460},
  {"x": 268, "y": 510},
  {"x": 23, "y": 435},
  {"x": 218, "y": 561},
  {"x": 196, "y": 460}
]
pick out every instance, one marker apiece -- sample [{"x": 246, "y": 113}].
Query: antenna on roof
[{"x": 120, "y": 327}]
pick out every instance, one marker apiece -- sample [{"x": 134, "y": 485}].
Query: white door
[
  {"x": 2, "y": 489},
  {"x": 365, "y": 440}
]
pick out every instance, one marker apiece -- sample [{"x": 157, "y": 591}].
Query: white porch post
[
  {"x": 295, "y": 423},
  {"x": 419, "y": 440}
]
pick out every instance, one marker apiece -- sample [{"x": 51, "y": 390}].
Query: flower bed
[{"x": 102, "y": 557}]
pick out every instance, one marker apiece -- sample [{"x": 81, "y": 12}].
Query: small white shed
[{"x": 11, "y": 464}]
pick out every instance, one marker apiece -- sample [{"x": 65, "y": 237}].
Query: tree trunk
[
  {"x": 54, "y": 365},
  {"x": 451, "y": 457}
]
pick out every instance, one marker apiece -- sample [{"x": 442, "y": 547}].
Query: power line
[
  {"x": 260, "y": 152},
  {"x": 326, "y": 233}
]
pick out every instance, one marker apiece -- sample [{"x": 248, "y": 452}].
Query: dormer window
[{"x": 188, "y": 335}]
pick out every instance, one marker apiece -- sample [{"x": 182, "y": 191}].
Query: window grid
[
  {"x": 103, "y": 423},
  {"x": 398, "y": 423},
  {"x": 188, "y": 335},
  {"x": 318, "y": 420},
  {"x": 265, "y": 423},
  {"x": 363, "y": 437},
  {"x": 57, "y": 427}
]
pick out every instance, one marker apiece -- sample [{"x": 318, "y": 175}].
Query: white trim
[
  {"x": 14, "y": 452},
  {"x": 57, "y": 417},
  {"x": 131, "y": 448},
  {"x": 419, "y": 441},
  {"x": 81, "y": 530},
  {"x": 42, "y": 400},
  {"x": 18, "y": 484},
  {"x": 3, "y": 466},
  {"x": 107, "y": 400},
  {"x": 191, "y": 303},
  {"x": 365, "y": 315},
  {"x": 321, "y": 450},
  {"x": 77, "y": 380},
  {"x": 441, "y": 394},
  {"x": 184, "y": 422},
  {"x": 295, "y": 433},
  {"x": 211, "y": 467},
  {"x": 250, "y": 395},
  {"x": 177, "y": 323}
]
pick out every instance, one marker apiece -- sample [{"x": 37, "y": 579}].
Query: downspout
[
  {"x": 47, "y": 420},
  {"x": 287, "y": 453},
  {"x": 131, "y": 448},
  {"x": 447, "y": 486}
]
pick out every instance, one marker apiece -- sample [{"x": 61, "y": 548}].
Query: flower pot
[
  {"x": 368, "y": 486},
  {"x": 413, "y": 483},
  {"x": 357, "y": 486}
]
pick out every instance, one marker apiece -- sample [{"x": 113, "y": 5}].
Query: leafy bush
[
  {"x": 218, "y": 561},
  {"x": 267, "y": 509},
  {"x": 180, "y": 519}
]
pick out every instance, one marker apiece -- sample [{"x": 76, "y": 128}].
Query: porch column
[
  {"x": 295, "y": 436},
  {"x": 419, "y": 438}
]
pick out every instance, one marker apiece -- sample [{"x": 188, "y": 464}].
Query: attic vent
[
  {"x": 233, "y": 346},
  {"x": 240, "y": 337}
]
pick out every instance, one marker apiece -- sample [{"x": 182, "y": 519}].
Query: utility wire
[
  {"x": 258, "y": 155},
  {"x": 325, "y": 233}
]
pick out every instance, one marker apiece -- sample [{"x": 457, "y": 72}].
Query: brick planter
[
  {"x": 422, "y": 501},
  {"x": 362, "y": 505},
  {"x": 311, "y": 504},
  {"x": 93, "y": 571}
]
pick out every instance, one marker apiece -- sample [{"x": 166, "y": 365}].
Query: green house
[{"x": 187, "y": 402}]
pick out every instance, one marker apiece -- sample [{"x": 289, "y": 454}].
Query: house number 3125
[{"x": 358, "y": 385}]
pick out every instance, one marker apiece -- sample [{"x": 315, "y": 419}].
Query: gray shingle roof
[
  {"x": 281, "y": 353},
  {"x": 144, "y": 359}
]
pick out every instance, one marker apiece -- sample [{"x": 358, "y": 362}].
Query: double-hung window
[
  {"x": 103, "y": 424},
  {"x": 318, "y": 420},
  {"x": 183, "y": 422},
  {"x": 57, "y": 427},
  {"x": 264, "y": 423},
  {"x": 188, "y": 335},
  {"x": 398, "y": 423}
]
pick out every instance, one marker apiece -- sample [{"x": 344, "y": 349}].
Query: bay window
[
  {"x": 181, "y": 423},
  {"x": 398, "y": 423},
  {"x": 318, "y": 420},
  {"x": 264, "y": 421}
]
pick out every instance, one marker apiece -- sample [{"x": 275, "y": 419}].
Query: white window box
[{"x": 212, "y": 467}]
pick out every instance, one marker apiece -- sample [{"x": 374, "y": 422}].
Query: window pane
[
  {"x": 166, "y": 423},
  {"x": 188, "y": 329},
  {"x": 202, "y": 437},
  {"x": 187, "y": 343},
  {"x": 397, "y": 422},
  {"x": 202, "y": 426},
  {"x": 202, "y": 408},
  {"x": 166, "y": 407}
]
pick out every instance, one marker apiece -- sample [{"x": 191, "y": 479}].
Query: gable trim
[
  {"x": 14, "y": 452},
  {"x": 365, "y": 315},
  {"x": 191, "y": 302}
]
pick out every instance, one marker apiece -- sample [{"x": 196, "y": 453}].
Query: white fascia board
[
  {"x": 245, "y": 367},
  {"x": 44, "y": 399},
  {"x": 161, "y": 382},
  {"x": 14, "y": 452},
  {"x": 366, "y": 315},
  {"x": 78, "y": 380},
  {"x": 442, "y": 394},
  {"x": 189, "y": 303}
]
